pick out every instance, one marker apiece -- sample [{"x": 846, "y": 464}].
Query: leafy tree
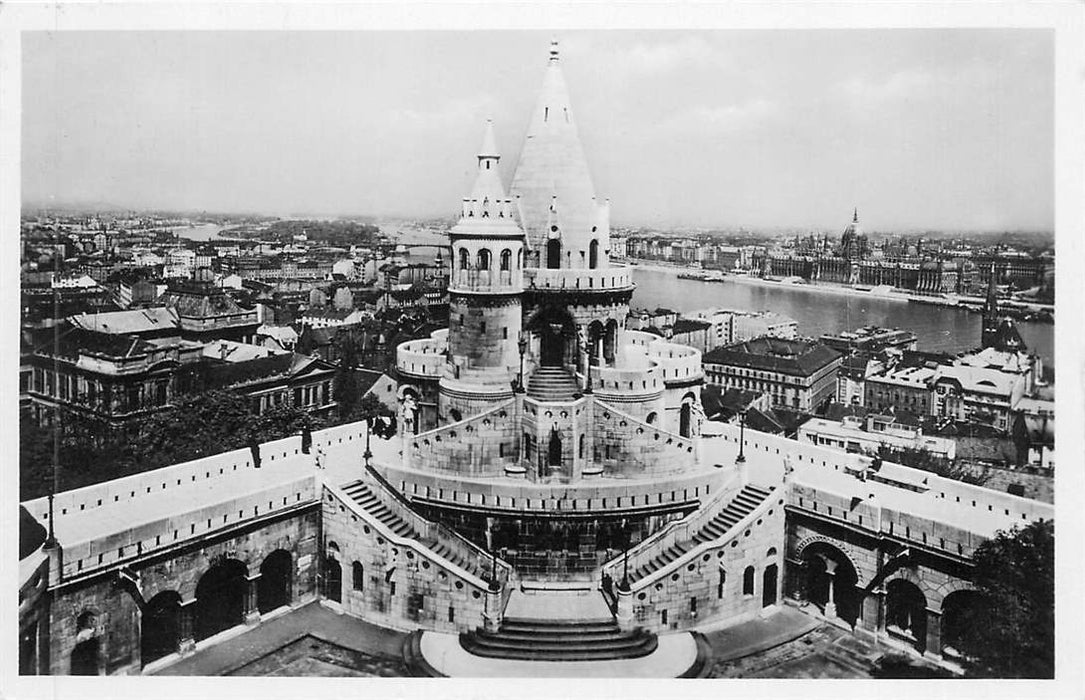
[
  {"x": 370, "y": 408},
  {"x": 1010, "y": 632},
  {"x": 345, "y": 383},
  {"x": 924, "y": 460}
]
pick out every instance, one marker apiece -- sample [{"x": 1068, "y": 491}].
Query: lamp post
[
  {"x": 368, "y": 429},
  {"x": 741, "y": 436},
  {"x": 521, "y": 344}
]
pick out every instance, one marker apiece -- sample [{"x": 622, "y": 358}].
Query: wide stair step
[
  {"x": 363, "y": 496},
  {"x": 559, "y": 640},
  {"x": 749, "y": 498},
  {"x": 552, "y": 384}
]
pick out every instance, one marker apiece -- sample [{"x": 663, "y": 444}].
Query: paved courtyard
[{"x": 314, "y": 640}]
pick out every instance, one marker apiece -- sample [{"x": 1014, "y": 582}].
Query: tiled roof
[
  {"x": 795, "y": 357},
  {"x": 232, "y": 374},
  {"x": 76, "y": 341},
  {"x": 136, "y": 321}
]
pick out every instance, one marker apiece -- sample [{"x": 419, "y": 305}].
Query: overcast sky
[{"x": 948, "y": 129}]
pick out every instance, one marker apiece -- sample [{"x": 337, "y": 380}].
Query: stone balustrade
[
  {"x": 605, "y": 279},
  {"x": 676, "y": 362},
  {"x": 487, "y": 281}
]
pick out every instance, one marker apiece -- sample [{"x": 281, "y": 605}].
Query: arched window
[
  {"x": 553, "y": 254},
  {"x": 357, "y": 576},
  {"x": 484, "y": 259},
  {"x": 747, "y": 581},
  {"x": 685, "y": 419},
  {"x": 593, "y": 254},
  {"x": 723, "y": 580},
  {"x": 581, "y": 450},
  {"x": 455, "y": 415},
  {"x": 506, "y": 259},
  {"x": 651, "y": 419},
  {"x": 519, "y": 259},
  {"x": 465, "y": 259},
  {"x": 554, "y": 453}
]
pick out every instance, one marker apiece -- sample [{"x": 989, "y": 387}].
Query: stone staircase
[
  {"x": 552, "y": 384},
  {"x": 361, "y": 494},
  {"x": 559, "y": 640},
  {"x": 740, "y": 506}
]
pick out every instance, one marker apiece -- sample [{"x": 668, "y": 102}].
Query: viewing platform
[{"x": 579, "y": 280}]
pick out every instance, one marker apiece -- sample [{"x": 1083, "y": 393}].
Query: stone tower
[{"x": 485, "y": 286}]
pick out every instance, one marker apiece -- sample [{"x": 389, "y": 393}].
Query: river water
[{"x": 937, "y": 328}]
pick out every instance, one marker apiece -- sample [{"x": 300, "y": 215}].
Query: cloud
[
  {"x": 728, "y": 118},
  {"x": 914, "y": 84}
]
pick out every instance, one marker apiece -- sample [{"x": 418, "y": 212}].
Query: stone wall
[
  {"x": 632, "y": 448},
  {"x": 482, "y": 445},
  {"x": 665, "y": 600},
  {"x": 403, "y": 584},
  {"x": 117, "y": 621}
]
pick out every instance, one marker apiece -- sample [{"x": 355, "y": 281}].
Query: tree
[
  {"x": 924, "y": 460},
  {"x": 1010, "y": 631},
  {"x": 370, "y": 409}
]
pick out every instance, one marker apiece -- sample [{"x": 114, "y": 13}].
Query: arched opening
[
  {"x": 85, "y": 658},
  {"x": 906, "y": 612},
  {"x": 506, "y": 260},
  {"x": 357, "y": 577},
  {"x": 554, "y": 327},
  {"x": 553, "y": 452},
  {"x": 957, "y": 610},
  {"x": 465, "y": 259},
  {"x": 593, "y": 254},
  {"x": 685, "y": 419},
  {"x": 274, "y": 589},
  {"x": 455, "y": 415},
  {"x": 580, "y": 451},
  {"x": 595, "y": 336},
  {"x": 333, "y": 579},
  {"x": 747, "y": 581},
  {"x": 553, "y": 254},
  {"x": 651, "y": 418},
  {"x": 610, "y": 341},
  {"x": 768, "y": 585},
  {"x": 87, "y": 652},
  {"x": 483, "y": 259},
  {"x": 159, "y": 630},
  {"x": 519, "y": 259},
  {"x": 830, "y": 582},
  {"x": 220, "y": 598}
]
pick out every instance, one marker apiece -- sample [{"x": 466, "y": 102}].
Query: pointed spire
[
  {"x": 855, "y": 217},
  {"x": 489, "y": 144}
]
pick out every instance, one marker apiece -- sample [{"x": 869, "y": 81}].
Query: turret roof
[{"x": 552, "y": 163}]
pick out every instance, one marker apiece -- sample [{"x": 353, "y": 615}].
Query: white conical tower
[
  {"x": 553, "y": 169},
  {"x": 485, "y": 287}
]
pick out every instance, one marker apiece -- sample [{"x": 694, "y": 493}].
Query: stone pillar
[
  {"x": 830, "y": 604},
  {"x": 252, "y": 608},
  {"x": 186, "y": 627},
  {"x": 493, "y": 612},
  {"x": 934, "y": 635},
  {"x": 796, "y": 572},
  {"x": 625, "y": 617},
  {"x": 874, "y": 612}
]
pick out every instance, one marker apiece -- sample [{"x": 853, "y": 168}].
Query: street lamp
[
  {"x": 521, "y": 344},
  {"x": 368, "y": 429},
  {"x": 741, "y": 436}
]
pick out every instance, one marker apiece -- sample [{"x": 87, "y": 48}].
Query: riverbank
[
  {"x": 883, "y": 292},
  {"x": 781, "y": 284}
]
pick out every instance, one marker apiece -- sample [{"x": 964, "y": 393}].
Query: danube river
[{"x": 817, "y": 312}]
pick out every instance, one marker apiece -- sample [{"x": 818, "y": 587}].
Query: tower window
[{"x": 546, "y": 113}]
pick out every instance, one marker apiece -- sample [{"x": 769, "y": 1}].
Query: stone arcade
[{"x": 543, "y": 447}]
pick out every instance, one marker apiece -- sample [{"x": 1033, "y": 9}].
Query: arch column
[
  {"x": 252, "y": 610},
  {"x": 830, "y": 604},
  {"x": 933, "y": 648},
  {"x": 874, "y": 611},
  {"x": 796, "y": 574},
  {"x": 186, "y": 627}
]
